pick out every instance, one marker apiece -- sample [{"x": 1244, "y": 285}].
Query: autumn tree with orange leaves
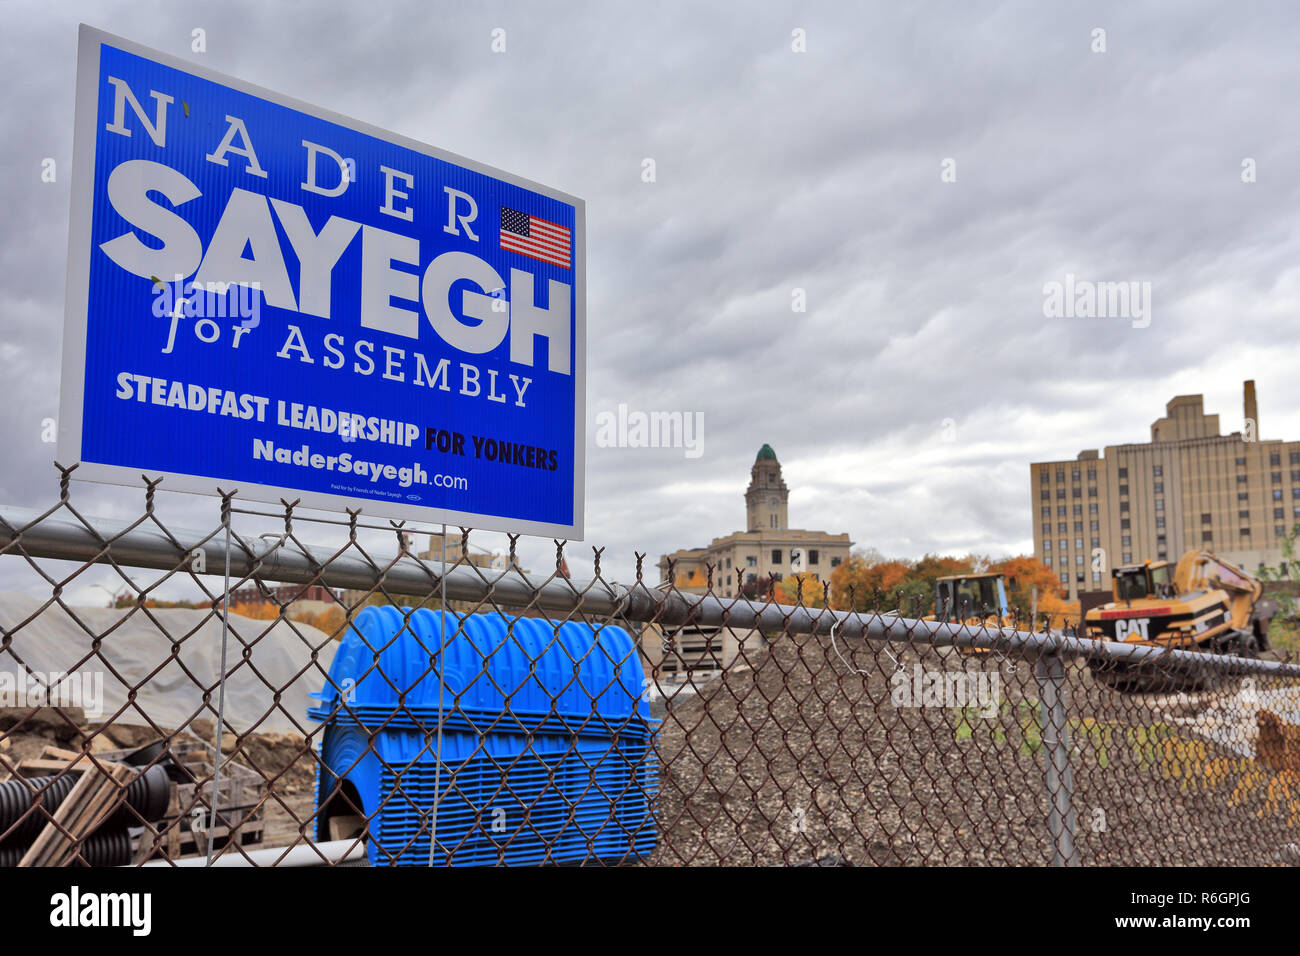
[{"x": 802, "y": 589}]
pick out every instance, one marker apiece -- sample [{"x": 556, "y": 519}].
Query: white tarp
[{"x": 134, "y": 647}]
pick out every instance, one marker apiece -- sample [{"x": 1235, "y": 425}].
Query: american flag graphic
[{"x": 536, "y": 238}]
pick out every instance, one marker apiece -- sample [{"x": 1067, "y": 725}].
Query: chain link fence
[{"x": 340, "y": 703}]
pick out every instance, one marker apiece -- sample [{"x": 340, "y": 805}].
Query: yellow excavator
[{"x": 1203, "y": 603}]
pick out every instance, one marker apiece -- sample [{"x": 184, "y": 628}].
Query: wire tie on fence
[
  {"x": 622, "y": 601},
  {"x": 835, "y": 622}
]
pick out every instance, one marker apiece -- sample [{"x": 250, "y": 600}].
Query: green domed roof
[{"x": 766, "y": 454}]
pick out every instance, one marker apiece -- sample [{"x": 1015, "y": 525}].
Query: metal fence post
[{"x": 1049, "y": 669}]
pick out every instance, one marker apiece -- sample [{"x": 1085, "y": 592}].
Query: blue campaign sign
[{"x": 266, "y": 296}]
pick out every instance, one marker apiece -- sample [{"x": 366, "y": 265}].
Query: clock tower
[{"x": 767, "y": 498}]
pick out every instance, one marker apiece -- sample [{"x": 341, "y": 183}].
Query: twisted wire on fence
[{"x": 541, "y": 719}]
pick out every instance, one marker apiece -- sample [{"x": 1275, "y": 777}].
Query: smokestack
[{"x": 1252, "y": 408}]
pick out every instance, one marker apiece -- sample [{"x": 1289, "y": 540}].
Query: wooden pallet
[{"x": 91, "y": 801}]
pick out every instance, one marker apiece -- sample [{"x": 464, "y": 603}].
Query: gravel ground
[{"x": 806, "y": 760}]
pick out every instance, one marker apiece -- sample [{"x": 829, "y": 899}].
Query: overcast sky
[{"x": 778, "y": 170}]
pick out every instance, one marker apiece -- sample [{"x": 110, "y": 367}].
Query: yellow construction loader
[
  {"x": 1203, "y": 603},
  {"x": 975, "y": 600}
]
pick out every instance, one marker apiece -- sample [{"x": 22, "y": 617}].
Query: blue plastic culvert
[{"x": 546, "y": 740}]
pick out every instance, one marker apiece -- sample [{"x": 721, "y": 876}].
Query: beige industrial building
[{"x": 1189, "y": 487}]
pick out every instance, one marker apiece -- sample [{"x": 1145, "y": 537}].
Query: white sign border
[{"x": 77, "y": 296}]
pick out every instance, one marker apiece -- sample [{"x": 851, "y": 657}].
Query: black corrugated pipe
[
  {"x": 111, "y": 847},
  {"x": 147, "y": 794}
]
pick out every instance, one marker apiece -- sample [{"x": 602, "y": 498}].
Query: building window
[
  {"x": 1157, "y": 470},
  {"x": 750, "y": 578},
  {"x": 1065, "y": 577},
  {"x": 1160, "y": 521},
  {"x": 1241, "y": 463},
  {"x": 1079, "y": 577},
  {"x": 1207, "y": 536},
  {"x": 1096, "y": 577},
  {"x": 728, "y": 564},
  {"x": 1048, "y": 561},
  {"x": 1096, "y": 542},
  {"x": 813, "y": 556},
  {"x": 1047, "y": 544},
  {"x": 1295, "y": 475},
  {"x": 1092, "y": 508},
  {"x": 1076, "y": 492},
  {"x": 1062, "y": 544},
  {"x": 1123, "y": 490},
  {"x": 1042, "y": 477},
  {"x": 1241, "y": 479},
  {"x": 1060, "y": 492},
  {"x": 1243, "y": 514},
  {"x": 776, "y": 555},
  {"x": 1160, "y": 504},
  {"x": 1126, "y": 540},
  {"x": 1060, "y": 476},
  {"x": 1047, "y": 511},
  {"x": 1123, "y": 507},
  {"x": 1123, "y": 472},
  {"x": 1295, "y": 457},
  {"x": 1092, "y": 491},
  {"x": 1078, "y": 526},
  {"x": 1060, "y": 511},
  {"x": 1094, "y": 526},
  {"x": 1092, "y": 474},
  {"x": 835, "y": 562},
  {"x": 1124, "y": 523},
  {"x": 1206, "y": 518},
  {"x": 1128, "y": 557},
  {"x": 1074, "y": 475},
  {"x": 1077, "y": 509},
  {"x": 1061, "y": 527},
  {"x": 1279, "y": 531},
  {"x": 1243, "y": 496},
  {"x": 1159, "y": 488},
  {"x": 1279, "y": 513},
  {"x": 751, "y": 561},
  {"x": 1276, "y": 477},
  {"x": 1275, "y": 459},
  {"x": 1277, "y": 494},
  {"x": 1244, "y": 532},
  {"x": 1078, "y": 543}
]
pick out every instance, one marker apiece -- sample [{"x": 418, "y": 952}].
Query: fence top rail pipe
[{"x": 144, "y": 544}]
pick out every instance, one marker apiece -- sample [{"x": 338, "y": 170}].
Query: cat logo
[{"x": 1134, "y": 629}]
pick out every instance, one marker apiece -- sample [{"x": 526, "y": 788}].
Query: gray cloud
[{"x": 778, "y": 171}]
